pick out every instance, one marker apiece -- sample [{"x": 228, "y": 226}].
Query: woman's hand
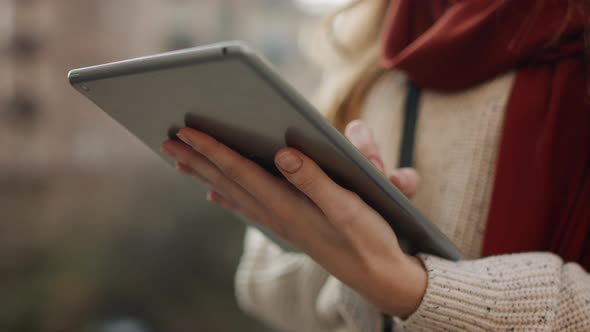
[
  {"x": 405, "y": 179},
  {"x": 329, "y": 223}
]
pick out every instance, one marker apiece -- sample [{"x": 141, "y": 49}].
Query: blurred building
[
  {"x": 95, "y": 231},
  {"x": 41, "y": 40}
]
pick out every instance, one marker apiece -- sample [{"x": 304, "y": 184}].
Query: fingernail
[
  {"x": 166, "y": 150},
  {"x": 359, "y": 134},
  {"x": 184, "y": 139},
  {"x": 289, "y": 162}
]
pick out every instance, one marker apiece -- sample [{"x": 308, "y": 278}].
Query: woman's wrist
[
  {"x": 398, "y": 289},
  {"x": 416, "y": 281}
]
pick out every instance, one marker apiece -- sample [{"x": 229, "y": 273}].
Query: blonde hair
[{"x": 347, "y": 45}]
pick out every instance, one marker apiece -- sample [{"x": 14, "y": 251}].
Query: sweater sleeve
[
  {"x": 290, "y": 291},
  {"x": 532, "y": 291}
]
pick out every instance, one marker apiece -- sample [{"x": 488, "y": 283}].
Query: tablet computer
[{"x": 231, "y": 93}]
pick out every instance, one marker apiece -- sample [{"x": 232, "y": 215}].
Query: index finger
[{"x": 250, "y": 176}]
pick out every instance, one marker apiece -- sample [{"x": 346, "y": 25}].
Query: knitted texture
[
  {"x": 281, "y": 288},
  {"x": 533, "y": 291},
  {"x": 456, "y": 140},
  {"x": 456, "y": 143}
]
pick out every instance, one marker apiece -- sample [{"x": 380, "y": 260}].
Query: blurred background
[{"x": 97, "y": 234}]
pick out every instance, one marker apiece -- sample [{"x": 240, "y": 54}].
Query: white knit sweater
[{"x": 456, "y": 144}]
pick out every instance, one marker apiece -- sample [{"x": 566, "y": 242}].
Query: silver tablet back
[{"x": 231, "y": 93}]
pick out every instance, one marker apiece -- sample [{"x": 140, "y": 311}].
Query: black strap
[
  {"x": 406, "y": 156},
  {"x": 387, "y": 323}
]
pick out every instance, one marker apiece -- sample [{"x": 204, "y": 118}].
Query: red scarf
[{"x": 541, "y": 194}]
